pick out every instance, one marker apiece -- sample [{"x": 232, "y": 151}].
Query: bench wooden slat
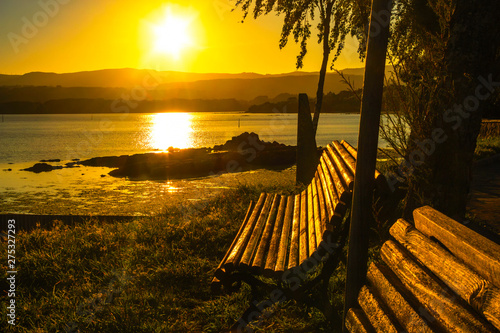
[
  {"x": 272, "y": 255},
  {"x": 332, "y": 177},
  {"x": 331, "y": 200},
  {"x": 356, "y": 322},
  {"x": 346, "y": 156},
  {"x": 332, "y": 187},
  {"x": 219, "y": 273},
  {"x": 316, "y": 213},
  {"x": 346, "y": 176},
  {"x": 476, "y": 251},
  {"x": 322, "y": 208},
  {"x": 470, "y": 286},
  {"x": 380, "y": 179},
  {"x": 375, "y": 313},
  {"x": 293, "y": 257},
  {"x": 395, "y": 302},
  {"x": 338, "y": 202},
  {"x": 340, "y": 188},
  {"x": 303, "y": 243},
  {"x": 264, "y": 243},
  {"x": 438, "y": 301},
  {"x": 234, "y": 258},
  {"x": 285, "y": 235},
  {"x": 349, "y": 148},
  {"x": 311, "y": 228},
  {"x": 354, "y": 154},
  {"x": 251, "y": 247}
]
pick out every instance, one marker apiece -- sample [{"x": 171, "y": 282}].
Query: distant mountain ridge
[
  {"x": 83, "y": 91},
  {"x": 123, "y": 77},
  {"x": 111, "y": 83},
  {"x": 109, "y": 78}
]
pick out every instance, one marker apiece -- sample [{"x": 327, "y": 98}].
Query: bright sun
[{"x": 172, "y": 35}]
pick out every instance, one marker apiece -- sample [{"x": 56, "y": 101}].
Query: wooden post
[
  {"x": 307, "y": 156},
  {"x": 371, "y": 104}
]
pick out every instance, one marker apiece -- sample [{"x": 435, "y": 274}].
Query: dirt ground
[{"x": 485, "y": 194}]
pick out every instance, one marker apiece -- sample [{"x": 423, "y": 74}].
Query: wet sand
[
  {"x": 91, "y": 191},
  {"x": 143, "y": 184}
]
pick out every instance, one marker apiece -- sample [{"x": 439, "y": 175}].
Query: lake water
[{"x": 27, "y": 139}]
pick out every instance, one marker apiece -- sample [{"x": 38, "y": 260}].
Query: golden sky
[{"x": 69, "y": 36}]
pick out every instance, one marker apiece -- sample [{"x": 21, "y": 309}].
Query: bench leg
[
  {"x": 257, "y": 311},
  {"x": 274, "y": 295},
  {"x": 323, "y": 279}
]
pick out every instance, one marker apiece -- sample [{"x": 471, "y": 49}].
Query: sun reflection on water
[{"x": 173, "y": 129}]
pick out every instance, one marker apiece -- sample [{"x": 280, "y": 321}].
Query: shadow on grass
[{"x": 145, "y": 275}]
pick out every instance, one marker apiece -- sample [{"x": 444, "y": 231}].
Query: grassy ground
[
  {"x": 487, "y": 147},
  {"x": 149, "y": 275}
]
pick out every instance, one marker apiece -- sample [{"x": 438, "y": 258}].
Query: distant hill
[
  {"x": 112, "y": 83},
  {"x": 122, "y": 78},
  {"x": 111, "y": 78},
  {"x": 248, "y": 89},
  {"x": 343, "y": 102},
  {"x": 84, "y": 91}
]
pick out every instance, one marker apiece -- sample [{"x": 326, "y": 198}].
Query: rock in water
[
  {"x": 41, "y": 167},
  {"x": 245, "y": 140}
]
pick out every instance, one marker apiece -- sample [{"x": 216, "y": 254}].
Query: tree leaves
[{"x": 336, "y": 19}]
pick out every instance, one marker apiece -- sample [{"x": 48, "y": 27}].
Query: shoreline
[
  {"x": 90, "y": 194},
  {"x": 244, "y": 152},
  {"x": 92, "y": 187}
]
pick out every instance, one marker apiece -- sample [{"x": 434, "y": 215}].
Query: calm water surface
[{"x": 26, "y": 139}]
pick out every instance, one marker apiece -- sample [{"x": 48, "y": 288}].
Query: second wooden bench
[{"x": 436, "y": 276}]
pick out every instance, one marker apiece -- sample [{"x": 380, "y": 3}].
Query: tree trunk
[
  {"x": 364, "y": 183},
  {"x": 307, "y": 154},
  {"x": 470, "y": 62},
  {"x": 324, "y": 65}
]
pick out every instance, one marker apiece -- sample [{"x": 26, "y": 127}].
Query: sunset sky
[{"x": 74, "y": 35}]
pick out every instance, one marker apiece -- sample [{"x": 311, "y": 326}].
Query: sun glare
[
  {"x": 173, "y": 35},
  {"x": 172, "y": 129}
]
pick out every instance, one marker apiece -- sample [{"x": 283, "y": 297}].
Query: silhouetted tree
[
  {"x": 446, "y": 59},
  {"x": 335, "y": 20},
  {"x": 444, "y": 52}
]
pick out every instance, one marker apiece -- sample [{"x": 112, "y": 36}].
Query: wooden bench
[
  {"x": 435, "y": 276},
  {"x": 285, "y": 236}
]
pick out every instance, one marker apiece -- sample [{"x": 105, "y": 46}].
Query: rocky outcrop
[
  {"x": 242, "y": 153},
  {"x": 242, "y": 141},
  {"x": 42, "y": 167}
]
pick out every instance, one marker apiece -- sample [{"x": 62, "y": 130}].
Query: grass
[
  {"x": 147, "y": 275},
  {"x": 487, "y": 147},
  {"x": 150, "y": 274}
]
